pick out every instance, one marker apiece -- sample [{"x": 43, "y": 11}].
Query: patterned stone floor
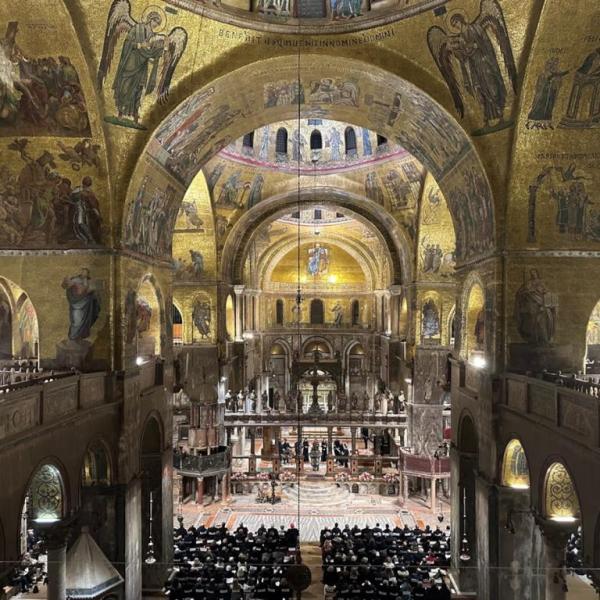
[{"x": 311, "y": 507}]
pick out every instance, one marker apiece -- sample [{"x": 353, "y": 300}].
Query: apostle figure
[{"x": 84, "y": 304}]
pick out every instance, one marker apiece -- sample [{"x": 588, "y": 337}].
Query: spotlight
[
  {"x": 139, "y": 361},
  {"x": 478, "y": 361}
]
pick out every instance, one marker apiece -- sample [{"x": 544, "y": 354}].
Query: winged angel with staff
[
  {"x": 471, "y": 45},
  {"x": 143, "y": 49}
]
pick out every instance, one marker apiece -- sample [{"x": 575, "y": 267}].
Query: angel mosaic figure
[
  {"x": 472, "y": 47},
  {"x": 142, "y": 51}
]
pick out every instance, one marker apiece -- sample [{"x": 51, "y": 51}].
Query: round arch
[
  {"x": 472, "y": 281},
  {"x": 97, "y": 464},
  {"x": 468, "y": 440},
  {"x": 392, "y": 236},
  {"x": 317, "y": 343},
  {"x": 150, "y": 317},
  {"x": 559, "y": 497},
  {"x": 268, "y": 261},
  {"x": 421, "y": 125},
  {"x": 515, "y": 468}
]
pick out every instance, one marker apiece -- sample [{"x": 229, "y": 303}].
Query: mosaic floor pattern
[{"x": 313, "y": 506}]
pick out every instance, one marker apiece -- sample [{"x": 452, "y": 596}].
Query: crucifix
[{"x": 315, "y": 379}]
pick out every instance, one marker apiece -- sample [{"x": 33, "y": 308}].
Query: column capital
[
  {"x": 396, "y": 289},
  {"x": 239, "y": 289}
]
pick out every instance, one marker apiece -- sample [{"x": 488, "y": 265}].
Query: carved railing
[
  {"x": 573, "y": 382},
  {"x": 203, "y": 465},
  {"x": 332, "y": 419},
  {"x": 571, "y": 405},
  {"x": 47, "y": 402}
]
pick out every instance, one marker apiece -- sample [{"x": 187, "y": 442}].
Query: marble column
[
  {"x": 200, "y": 490},
  {"x": 353, "y": 440},
  {"x": 556, "y": 536},
  {"x": 238, "y": 290},
  {"x": 57, "y": 566}
]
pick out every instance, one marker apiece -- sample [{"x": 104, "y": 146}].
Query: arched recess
[
  {"x": 376, "y": 275},
  {"x": 279, "y": 358},
  {"x": 317, "y": 311},
  {"x": 150, "y": 319},
  {"x": 151, "y": 447},
  {"x": 515, "y": 469},
  {"x": 592, "y": 340},
  {"x": 97, "y": 465},
  {"x": 475, "y": 321},
  {"x": 560, "y": 498},
  {"x": 279, "y": 311},
  {"x": 320, "y": 344},
  {"x": 230, "y": 317},
  {"x": 472, "y": 305},
  {"x": 19, "y": 329},
  {"x": 420, "y": 125},
  {"x": 393, "y": 237}
]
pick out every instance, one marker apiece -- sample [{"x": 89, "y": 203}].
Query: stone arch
[
  {"x": 473, "y": 280},
  {"x": 151, "y": 323},
  {"x": 422, "y": 127},
  {"x": 318, "y": 342},
  {"x": 269, "y": 261},
  {"x": 390, "y": 233}
]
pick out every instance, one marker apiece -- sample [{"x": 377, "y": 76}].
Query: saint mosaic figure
[
  {"x": 536, "y": 311},
  {"x": 201, "y": 316},
  {"x": 338, "y": 314},
  {"x": 431, "y": 320},
  {"x": 143, "y": 49},
  {"x": 318, "y": 260},
  {"x": 472, "y": 46},
  {"x": 547, "y": 89},
  {"x": 84, "y": 304}
]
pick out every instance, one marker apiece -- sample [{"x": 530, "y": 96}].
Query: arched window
[
  {"x": 248, "y": 141},
  {"x": 592, "y": 355},
  {"x": 515, "y": 472},
  {"x": 317, "y": 312},
  {"x": 561, "y": 501},
  {"x": 316, "y": 140},
  {"x": 350, "y": 141},
  {"x": 281, "y": 142},
  {"x": 230, "y": 317},
  {"x": 46, "y": 495},
  {"x": 279, "y": 312},
  {"x": 355, "y": 312}
]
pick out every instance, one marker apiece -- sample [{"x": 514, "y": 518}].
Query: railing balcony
[
  {"x": 41, "y": 402},
  {"x": 201, "y": 465},
  {"x": 571, "y": 405}
]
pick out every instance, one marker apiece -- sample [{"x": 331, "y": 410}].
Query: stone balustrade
[
  {"x": 49, "y": 401},
  {"x": 571, "y": 408},
  {"x": 203, "y": 465}
]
